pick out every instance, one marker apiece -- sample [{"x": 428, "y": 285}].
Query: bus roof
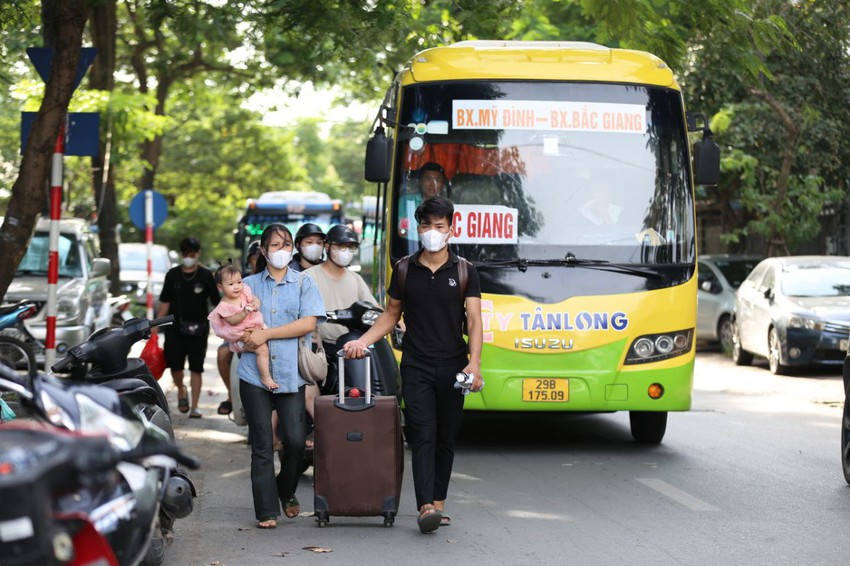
[
  {"x": 537, "y": 60},
  {"x": 296, "y": 202}
]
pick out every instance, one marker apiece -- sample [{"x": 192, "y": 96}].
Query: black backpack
[{"x": 462, "y": 273}]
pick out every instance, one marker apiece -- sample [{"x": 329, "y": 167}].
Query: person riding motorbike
[{"x": 309, "y": 247}]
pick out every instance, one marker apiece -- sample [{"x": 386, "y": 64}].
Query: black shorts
[{"x": 178, "y": 347}]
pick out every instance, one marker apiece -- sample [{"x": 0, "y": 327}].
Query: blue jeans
[{"x": 267, "y": 489}]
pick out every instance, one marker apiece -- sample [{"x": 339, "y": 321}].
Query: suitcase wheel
[
  {"x": 388, "y": 523},
  {"x": 322, "y": 520}
]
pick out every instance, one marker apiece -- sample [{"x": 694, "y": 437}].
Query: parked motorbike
[
  {"x": 119, "y": 307},
  {"x": 81, "y": 475},
  {"x": 358, "y": 319},
  {"x": 103, "y": 360},
  {"x": 18, "y": 347}
]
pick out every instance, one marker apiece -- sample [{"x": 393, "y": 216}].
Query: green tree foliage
[
  {"x": 219, "y": 154},
  {"x": 783, "y": 132}
]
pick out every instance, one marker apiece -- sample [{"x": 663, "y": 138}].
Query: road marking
[{"x": 677, "y": 495}]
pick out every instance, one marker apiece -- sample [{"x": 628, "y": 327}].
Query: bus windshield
[
  {"x": 290, "y": 208},
  {"x": 542, "y": 170}
]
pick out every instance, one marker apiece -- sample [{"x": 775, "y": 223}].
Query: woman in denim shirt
[{"x": 290, "y": 308}]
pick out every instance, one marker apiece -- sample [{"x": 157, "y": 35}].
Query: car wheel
[
  {"x": 845, "y": 439},
  {"x": 739, "y": 356},
  {"x": 726, "y": 333},
  {"x": 774, "y": 354},
  {"x": 648, "y": 427}
]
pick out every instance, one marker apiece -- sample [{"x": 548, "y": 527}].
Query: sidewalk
[{"x": 221, "y": 531}]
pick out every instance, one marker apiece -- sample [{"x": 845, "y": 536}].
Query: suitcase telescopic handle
[{"x": 341, "y": 369}]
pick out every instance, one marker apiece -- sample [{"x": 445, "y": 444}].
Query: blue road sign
[
  {"x": 137, "y": 209},
  {"x": 81, "y": 132},
  {"x": 42, "y": 60}
]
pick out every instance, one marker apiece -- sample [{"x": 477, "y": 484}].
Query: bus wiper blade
[
  {"x": 570, "y": 260},
  {"x": 641, "y": 271}
]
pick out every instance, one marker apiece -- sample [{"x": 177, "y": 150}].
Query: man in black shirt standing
[
  {"x": 188, "y": 292},
  {"x": 436, "y": 301}
]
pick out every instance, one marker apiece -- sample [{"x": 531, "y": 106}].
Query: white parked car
[{"x": 133, "y": 265}]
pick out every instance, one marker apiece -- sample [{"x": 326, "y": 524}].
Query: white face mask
[
  {"x": 342, "y": 257},
  {"x": 280, "y": 259},
  {"x": 189, "y": 262},
  {"x": 312, "y": 253},
  {"x": 434, "y": 240}
]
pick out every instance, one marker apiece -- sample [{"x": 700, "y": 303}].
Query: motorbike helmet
[
  {"x": 308, "y": 229},
  {"x": 341, "y": 234},
  {"x": 253, "y": 248}
]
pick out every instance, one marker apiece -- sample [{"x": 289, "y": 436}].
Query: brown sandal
[{"x": 292, "y": 508}]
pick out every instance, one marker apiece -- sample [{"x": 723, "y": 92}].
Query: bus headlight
[
  {"x": 643, "y": 347},
  {"x": 657, "y": 347}
]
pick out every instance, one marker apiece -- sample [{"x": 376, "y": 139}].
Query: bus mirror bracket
[
  {"x": 706, "y": 152},
  {"x": 378, "y": 155}
]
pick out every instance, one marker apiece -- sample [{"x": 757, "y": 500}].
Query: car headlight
[
  {"x": 68, "y": 308},
  {"x": 797, "y": 321}
]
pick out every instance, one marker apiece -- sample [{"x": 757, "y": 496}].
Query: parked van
[{"x": 82, "y": 290}]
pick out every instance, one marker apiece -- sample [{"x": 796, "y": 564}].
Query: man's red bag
[{"x": 154, "y": 357}]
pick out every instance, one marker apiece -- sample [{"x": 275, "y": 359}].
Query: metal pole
[
  {"x": 149, "y": 240},
  {"x": 56, "y": 171}
]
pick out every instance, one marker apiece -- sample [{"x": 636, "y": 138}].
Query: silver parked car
[
  {"x": 719, "y": 277},
  {"x": 83, "y": 287},
  {"x": 795, "y": 311}
]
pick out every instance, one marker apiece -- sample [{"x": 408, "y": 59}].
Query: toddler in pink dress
[{"x": 237, "y": 312}]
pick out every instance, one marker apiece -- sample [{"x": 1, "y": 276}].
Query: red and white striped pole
[
  {"x": 149, "y": 241},
  {"x": 56, "y": 171}
]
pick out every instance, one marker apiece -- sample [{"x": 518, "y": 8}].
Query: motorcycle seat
[
  {"x": 12, "y": 307},
  {"x": 133, "y": 387}
]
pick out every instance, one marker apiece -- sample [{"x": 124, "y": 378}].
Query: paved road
[{"x": 750, "y": 476}]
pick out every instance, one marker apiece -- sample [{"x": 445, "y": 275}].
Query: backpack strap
[
  {"x": 401, "y": 267},
  {"x": 463, "y": 275}
]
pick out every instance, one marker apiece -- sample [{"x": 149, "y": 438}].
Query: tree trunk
[
  {"x": 64, "y": 21},
  {"x": 103, "y": 30}
]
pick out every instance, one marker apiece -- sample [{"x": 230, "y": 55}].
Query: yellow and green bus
[{"x": 570, "y": 169}]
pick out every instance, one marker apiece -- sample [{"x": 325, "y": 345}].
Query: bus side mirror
[
  {"x": 378, "y": 155},
  {"x": 706, "y": 152},
  {"x": 706, "y": 162}
]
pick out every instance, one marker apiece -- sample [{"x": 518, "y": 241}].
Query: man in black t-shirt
[
  {"x": 188, "y": 292},
  {"x": 435, "y": 305}
]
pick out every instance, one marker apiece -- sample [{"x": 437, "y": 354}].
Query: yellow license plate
[{"x": 545, "y": 390}]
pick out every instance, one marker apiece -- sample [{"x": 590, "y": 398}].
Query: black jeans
[
  {"x": 432, "y": 410},
  {"x": 267, "y": 489}
]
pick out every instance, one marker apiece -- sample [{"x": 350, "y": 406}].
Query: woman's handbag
[{"x": 313, "y": 366}]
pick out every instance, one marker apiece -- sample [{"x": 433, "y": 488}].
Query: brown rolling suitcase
[{"x": 358, "y": 455}]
